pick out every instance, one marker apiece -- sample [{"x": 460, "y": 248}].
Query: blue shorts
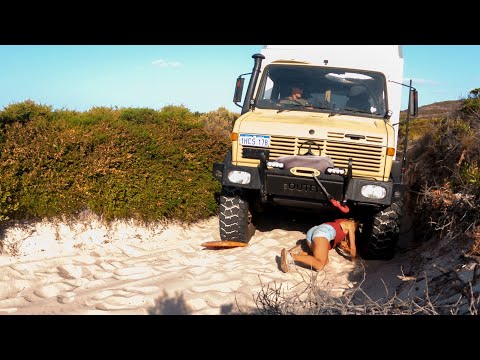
[{"x": 324, "y": 230}]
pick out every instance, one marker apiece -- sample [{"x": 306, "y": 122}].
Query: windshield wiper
[
  {"x": 360, "y": 111},
  {"x": 289, "y": 106},
  {"x": 317, "y": 107},
  {"x": 345, "y": 110},
  {"x": 307, "y": 106},
  {"x": 335, "y": 112}
]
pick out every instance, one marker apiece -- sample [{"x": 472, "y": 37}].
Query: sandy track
[{"x": 162, "y": 271}]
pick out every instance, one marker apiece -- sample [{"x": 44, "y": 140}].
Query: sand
[{"x": 87, "y": 267}]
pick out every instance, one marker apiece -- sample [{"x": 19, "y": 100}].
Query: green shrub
[
  {"x": 471, "y": 105},
  {"x": 23, "y": 112},
  {"x": 446, "y": 151},
  {"x": 99, "y": 114},
  {"x": 8, "y": 205},
  {"x": 139, "y": 115},
  {"x": 172, "y": 113},
  {"x": 118, "y": 163},
  {"x": 220, "y": 122}
]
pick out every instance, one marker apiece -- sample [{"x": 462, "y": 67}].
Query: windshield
[{"x": 314, "y": 88}]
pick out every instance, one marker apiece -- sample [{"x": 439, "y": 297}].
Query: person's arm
[{"x": 351, "y": 240}]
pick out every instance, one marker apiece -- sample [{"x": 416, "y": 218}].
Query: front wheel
[
  {"x": 382, "y": 237},
  {"x": 235, "y": 215}
]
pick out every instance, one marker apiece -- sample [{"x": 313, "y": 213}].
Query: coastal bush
[
  {"x": 444, "y": 178},
  {"x": 23, "y": 112},
  {"x": 120, "y": 163}
]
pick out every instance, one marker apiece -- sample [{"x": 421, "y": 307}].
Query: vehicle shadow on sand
[{"x": 291, "y": 219}]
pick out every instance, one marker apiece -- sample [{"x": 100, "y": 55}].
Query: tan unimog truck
[{"x": 334, "y": 146}]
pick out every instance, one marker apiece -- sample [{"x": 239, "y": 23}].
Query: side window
[{"x": 268, "y": 93}]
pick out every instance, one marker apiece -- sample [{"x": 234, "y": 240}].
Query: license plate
[{"x": 255, "y": 140}]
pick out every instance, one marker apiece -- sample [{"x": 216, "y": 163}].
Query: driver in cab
[{"x": 295, "y": 98}]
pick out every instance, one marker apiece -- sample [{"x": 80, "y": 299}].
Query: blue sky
[{"x": 200, "y": 77}]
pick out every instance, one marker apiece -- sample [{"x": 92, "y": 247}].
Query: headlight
[
  {"x": 239, "y": 177},
  {"x": 373, "y": 191}
]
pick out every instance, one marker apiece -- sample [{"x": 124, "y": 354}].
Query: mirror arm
[{"x": 405, "y": 144}]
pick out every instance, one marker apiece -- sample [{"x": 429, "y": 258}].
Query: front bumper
[{"x": 281, "y": 183}]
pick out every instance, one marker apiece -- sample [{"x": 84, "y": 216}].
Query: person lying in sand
[{"x": 321, "y": 239}]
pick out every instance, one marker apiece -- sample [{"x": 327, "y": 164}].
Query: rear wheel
[
  {"x": 383, "y": 233},
  {"x": 235, "y": 215}
]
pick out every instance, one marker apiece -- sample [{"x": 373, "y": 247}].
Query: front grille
[
  {"x": 375, "y": 139},
  {"x": 283, "y": 145},
  {"x": 366, "y": 159},
  {"x": 341, "y": 136}
]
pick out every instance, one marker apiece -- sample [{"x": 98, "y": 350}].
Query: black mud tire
[
  {"x": 383, "y": 232},
  {"x": 235, "y": 215}
]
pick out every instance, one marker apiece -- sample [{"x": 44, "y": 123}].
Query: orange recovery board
[{"x": 223, "y": 244}]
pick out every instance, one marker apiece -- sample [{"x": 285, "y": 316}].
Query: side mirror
[
  {"x": 237, "y": 97},
  {"x": 413, "y": 106}
]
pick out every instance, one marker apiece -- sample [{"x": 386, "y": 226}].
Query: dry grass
[
  {"x": 315, "y": 300},
  {"x": 448, "y": 215},
  {"x": 475, "y": 250}
]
